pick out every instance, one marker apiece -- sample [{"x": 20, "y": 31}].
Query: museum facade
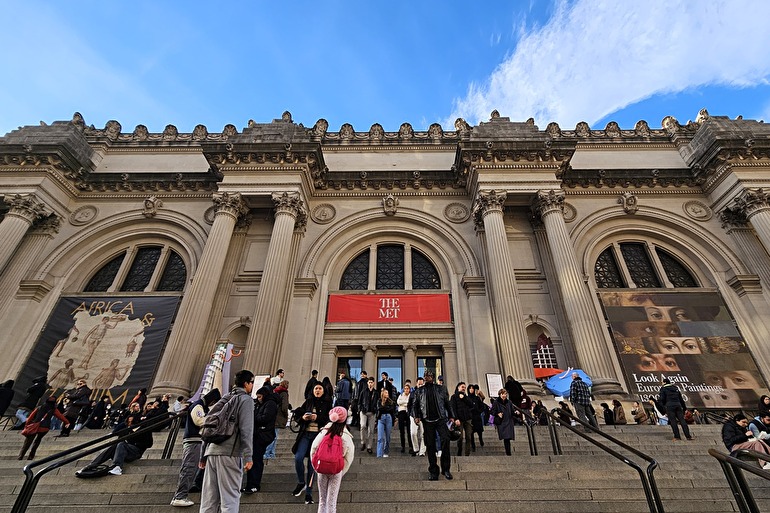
[{"x": 496, "y": 249}]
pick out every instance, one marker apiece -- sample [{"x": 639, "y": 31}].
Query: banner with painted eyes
[{"x": 689, "y": 338}]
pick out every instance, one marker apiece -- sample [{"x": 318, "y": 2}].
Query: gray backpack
[{"x": 222, "y": 420}]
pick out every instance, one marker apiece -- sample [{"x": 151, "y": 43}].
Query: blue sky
[{"x": 157, "y": 63}]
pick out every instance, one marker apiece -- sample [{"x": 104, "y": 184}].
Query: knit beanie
[{"x": 338, "y": 414}]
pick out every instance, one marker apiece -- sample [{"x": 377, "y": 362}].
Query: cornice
[
  {"x": 613, "y": 191},
  {"x": 401, "y": 193},
  {"x": 401, "y": 147}
]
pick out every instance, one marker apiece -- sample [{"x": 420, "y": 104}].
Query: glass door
[{"x": 393, "y": 367}]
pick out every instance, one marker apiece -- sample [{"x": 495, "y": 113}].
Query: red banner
[{"x": 389, "y": 308}]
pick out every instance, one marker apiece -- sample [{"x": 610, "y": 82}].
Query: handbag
[
  {"x": 33, "y": 428},
  {"x": 497, "y": 420}
]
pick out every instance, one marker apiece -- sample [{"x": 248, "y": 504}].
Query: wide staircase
[{"x": 584, "y": 479}]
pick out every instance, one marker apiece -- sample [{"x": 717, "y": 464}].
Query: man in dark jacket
[
  {"x": 367, "y": 408},
  {"x": 342, "y": 392},
  {"x": 191, "y": 455},
  {"x": 78, "y": 399},
  {"x": 265, "y": 412},
  {"x": 464, "y": 409},
  {"x": 384, "y": 382},
  {"x": 34, "y": 393},
  {"x": 736, "y": 435},
  {"x": 671, "y": 398},
  {"x": 432, "y": 408},
  {"x": 360, "y": 386},
  {"x": 311, "y": 383},
  {"x": 580, "y": 397}
]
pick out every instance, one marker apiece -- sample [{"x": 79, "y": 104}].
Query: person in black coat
[
  {"x": 503, "y": 412},
  {"x": 673, "y": 401},
  {"x": 515, "y": 391},
  {"x": 464, "y": 410},
  {"x": 265, "y": 412},
  {"x": 480, "y": 413},
  {"x": 6, "y": 396},
  {"x": 34, "y": 393},
  {"x": 736, "y": 435},
  {"x": 314, "y": 415}
]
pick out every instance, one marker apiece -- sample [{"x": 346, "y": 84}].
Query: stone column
[
  {"x": 586, "y": 330},
  {"x": 25, "y": 210},
  {"x": 177, "y": 368},
  {"x": 370, "y": 361},
  {"x": 754, "y": 204},
  {"x": 21, "y": 262},
  {"x": 512, "y": 344},
  {"x": 410, "y": 364},
  {"x": 746, "y": 242},
  {"x": 262, "y": 345}
]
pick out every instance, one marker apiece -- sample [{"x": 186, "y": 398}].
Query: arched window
[
  {"x": 398, "y": 267},
  {"x": 141, "y": 269},
  {"x": 644, "y": 265}
]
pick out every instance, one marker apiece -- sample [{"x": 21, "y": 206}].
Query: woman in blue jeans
[
  {"x": 386, "y": 412},
  {"x": 314, "y": 414}
]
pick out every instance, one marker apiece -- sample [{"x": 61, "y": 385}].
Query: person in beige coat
[{"x": 329, "y": 484}]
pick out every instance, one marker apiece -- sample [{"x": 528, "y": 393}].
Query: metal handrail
[
  {"x": 649, "y": 485},
  {"x": 733, "y": 469},
  {"x": 530, "y": 431},
  {"x": 75, "y": 453}
]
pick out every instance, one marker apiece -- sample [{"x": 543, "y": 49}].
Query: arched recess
[
  {"x": 342, "y": 242},
  {"x": 79, "y": 256},
  {"x": 704, "y": 254}
]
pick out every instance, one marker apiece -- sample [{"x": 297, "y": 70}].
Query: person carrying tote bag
[{"x": 38, "y": 424}]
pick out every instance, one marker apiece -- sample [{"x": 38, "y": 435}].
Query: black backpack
[{"x": 222, "y": 420}]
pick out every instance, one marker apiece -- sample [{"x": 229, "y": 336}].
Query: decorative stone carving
[
  {"x": 291, "y": 203},
  {"x": 642, "y": 128},
  {"x": 457, "y": 213},
  {"x": 549, "y": 201},
  {"x": 49, "y": 225},
  {"x": 697, "y": 210},
  {"x": 390, "y": 205},
  {"x": 486, "y": 202},
  {"x": 376, "y": 132},
  {"x": 570, "y": 212},
  {"x": 733, "y": 217},
  {"x": 286, "y": 116},
  {"x": 26, "y": 206},
  {"x": 83, "y": 215},
  {"x": 151, "y": 206},
  {"x": 319, "y": 129},
  {"x": 347, "y": 132},
  {"x": 495, "y": 114},
  {"x": 405, "y": 131},
  {"x": 229, "y": 130},
  {"x": 141, "y": 133},
  {"x": 231, "y": 203},
  {"x": 630, "y": 202},
  {"x": 752, "y": 201},
  {"x": 553, "y": 129},
  {"x": 112, "y": 129},
  {"x": 435, "y": 131},
  {"x": 582, "y": 129},
  {"x": 323, "y": 214},
  {"x": 209, "y": 214},
  {"x": 200, "y": 132},
  {"x": 612, "y": 129},
  {"x": 462, "y": 127},
  {"x": 170, "y": 133}
]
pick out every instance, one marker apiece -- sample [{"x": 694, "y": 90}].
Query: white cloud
[{"x": 594, "y": 57}]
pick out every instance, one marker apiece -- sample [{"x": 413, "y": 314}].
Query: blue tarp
[{"x": 559, "y": 384}]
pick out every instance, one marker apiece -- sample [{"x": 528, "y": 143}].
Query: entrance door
[
  {"x": 393, "y": 367},
  {"x": 431, "y": 363}
]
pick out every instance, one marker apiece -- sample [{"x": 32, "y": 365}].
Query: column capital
[
  {"x": 48, "y": 225},
  {"x": 230, "y": 203},
  {"x": 291, "y": 203},
  {"x": 549, "y": 202},
  {"x": 752, "y": 201},
  {"x": 733, "y": 217},
  {"x": 488, "y": 201},
  {"x": 26, "y": 206}
]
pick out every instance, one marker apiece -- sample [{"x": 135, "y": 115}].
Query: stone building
[{"x": 635, "y": 253}]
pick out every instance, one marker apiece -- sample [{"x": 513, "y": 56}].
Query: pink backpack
[{"x": 328, "y": 458}]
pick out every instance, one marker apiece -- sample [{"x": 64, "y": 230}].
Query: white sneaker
[
  {"x": 384, "y": 455},
  {"x": 766, "y": 466},
  {"x": 116, "y": 471},
  {"x": 182, "y": 503},
  {"x": 438, "y": 454}
]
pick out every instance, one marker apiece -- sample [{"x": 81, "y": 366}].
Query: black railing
[
  {"x": 65, "y": 457},
  {"x": 646, "y": 476},
  {"x": 530, "y": 431},
  {"x": 733, "y": 469}
]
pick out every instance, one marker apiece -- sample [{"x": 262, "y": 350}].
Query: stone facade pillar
[
  {"x": 754, "y": 204},
  {"x": 370, "y": 361},
  {"x": 263, "y": 346},
  {"x": 512, "y": 343},
  {"x": 29, "y": 251},
  {"x": 25, "y": 210},
  {"x": 737, "y": 227},
  {"x": 591, "y": 345},
  {"x": 177, "y": 368},
  {"x": 410, "y": 364}
]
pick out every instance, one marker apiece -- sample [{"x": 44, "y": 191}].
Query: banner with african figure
[{"x": 113, "y": 343}]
